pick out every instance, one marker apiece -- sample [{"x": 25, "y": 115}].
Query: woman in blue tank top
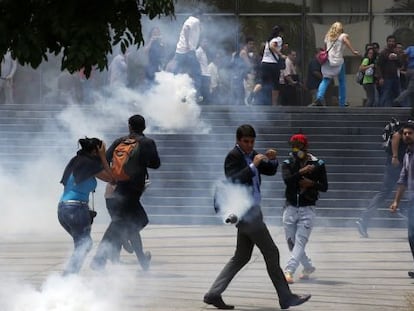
[{"x": 79, "y": 180}]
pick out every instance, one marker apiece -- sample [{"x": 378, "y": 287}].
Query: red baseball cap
[{"x": 299, "y": 138}]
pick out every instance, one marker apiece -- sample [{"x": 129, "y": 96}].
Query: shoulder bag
[
  {"x": 280, "y": 61},
  {"x": 322, "y": 56}
]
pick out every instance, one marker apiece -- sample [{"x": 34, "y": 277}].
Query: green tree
[
  {"x": 403, "y": 24},
  {"x": 83, "y": 31}
]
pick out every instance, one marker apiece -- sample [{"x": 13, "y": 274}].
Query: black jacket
[{"x": 294, "y": 195}]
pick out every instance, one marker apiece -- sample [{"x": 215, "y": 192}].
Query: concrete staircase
[{"x": 181, "y": 190}]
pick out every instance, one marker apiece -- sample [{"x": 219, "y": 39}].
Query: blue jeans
[
  {"x": 323, "y": 86},
  {"x": 411, "y": 227},
  {"x": 298, "y": 224},
  {"x": 188, "y": 63},
  {"x": 391, "y": 175},
  {"x": 404, "y": 96},
  {"x": 76, "y": 220},
  {"x": 390, "y": 90}
]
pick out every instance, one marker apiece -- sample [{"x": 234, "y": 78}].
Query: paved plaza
[{"x": 352, "y": 273}]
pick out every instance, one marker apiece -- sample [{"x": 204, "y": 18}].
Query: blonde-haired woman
[{"x": 335, "y": 41}]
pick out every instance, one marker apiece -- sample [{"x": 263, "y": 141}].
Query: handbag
[
  {"x": 323, "y": 54},
  {"x": 359, "y": 78}
]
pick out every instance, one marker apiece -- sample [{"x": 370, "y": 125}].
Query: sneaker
[
  {"x": 362, "y": 228},
  {"x": 289, "y": 277},
  {"x": 396, "y": 103},
  {"x": 411, "y": 274},
  {"x": 317, "y": 102},
  {"x": 250, "y": 99},
  {"x": 306, "y": 273},
  {"x": 145, "y": 261}
]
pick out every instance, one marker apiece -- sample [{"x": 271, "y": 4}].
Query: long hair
[
  {"x": 89, "y": 145},
  {"x": 334, "y": 31}
]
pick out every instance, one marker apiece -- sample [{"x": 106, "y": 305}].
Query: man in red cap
[{"x": 304, "y": 176}]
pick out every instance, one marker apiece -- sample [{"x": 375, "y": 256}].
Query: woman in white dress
[{"x": 336, "y": 41}]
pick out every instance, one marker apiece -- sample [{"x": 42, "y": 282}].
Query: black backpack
[{"x": 389, "y": 129}]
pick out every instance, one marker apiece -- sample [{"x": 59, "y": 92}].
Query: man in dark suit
[
  {"x": 243, "y": 165},
  {"x": 128, "y": 216}
]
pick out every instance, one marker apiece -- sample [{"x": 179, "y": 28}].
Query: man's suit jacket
[{"x": 238, "y": 171}]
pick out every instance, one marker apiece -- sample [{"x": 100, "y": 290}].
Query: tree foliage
[
  {"x": 400, "y": 20},
  {"x": 84, "y": 31}
]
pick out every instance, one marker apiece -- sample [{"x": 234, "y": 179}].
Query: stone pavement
[{"x": 352, "y": 273}]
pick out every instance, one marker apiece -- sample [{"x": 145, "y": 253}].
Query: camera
[{"x": 92, "y": 214}]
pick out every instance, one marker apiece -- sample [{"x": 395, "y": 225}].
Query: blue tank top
[{"x": 79, "y": 192}]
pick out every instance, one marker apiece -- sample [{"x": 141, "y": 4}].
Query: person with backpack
[
  {"x": 128, "y": 214},
  {"x": 79, "y": 180},
  {"x": 395, "y": 149},
  {"x": 368, "y": 81}
]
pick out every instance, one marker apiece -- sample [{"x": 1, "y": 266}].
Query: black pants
[
  {"x": 128, "y": 217},
  {"x": 249, "y": 235}
]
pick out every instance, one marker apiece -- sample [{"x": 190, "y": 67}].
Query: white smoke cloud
[
  {"x": 73, "y": 293},
  {"x": 232, "y": 199},
  {"x": 33, "y": 189},
  {"x": 169, "y": 106}
]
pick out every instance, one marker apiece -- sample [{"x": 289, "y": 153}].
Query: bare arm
[
  {"x": 349, "y": 45},
  {"x": 398, "y": 196},
  {"x": 365, "y": 67},
  {"x": 105, "y": 176},
  {"x": 395, "y": 144},
  {"x": 106, "y": 173}
]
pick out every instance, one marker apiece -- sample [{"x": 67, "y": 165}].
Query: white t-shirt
[
  {"x": 267, "y": 54},
  {"x": 192, "y": 24},
  {"x": 288, "y": 71},
  {"x": 214, "y": 76}
]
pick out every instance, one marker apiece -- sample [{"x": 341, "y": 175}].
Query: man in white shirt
[
  {"x": 289, "y": 82},
  {"x": 185, "y": 55}
]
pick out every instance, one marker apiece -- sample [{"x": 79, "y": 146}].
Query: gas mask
[{"x": 298, "y": 153}]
